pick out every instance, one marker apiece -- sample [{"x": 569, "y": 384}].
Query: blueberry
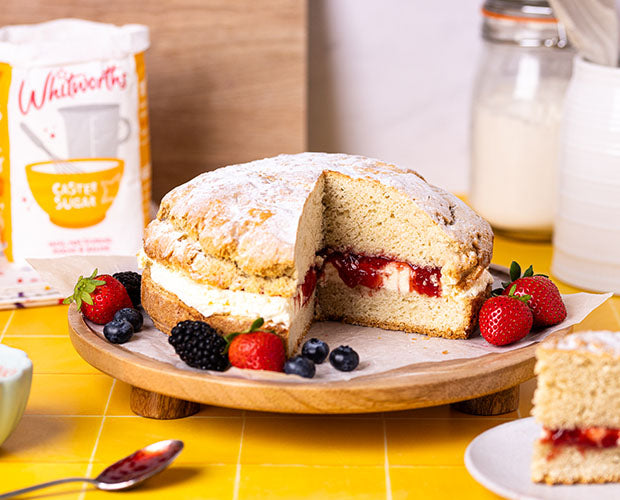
[
  {"x": 344, "y": 358},
  {"x": 301, "y": 366},
  {"x": 316, "y": 350},
  {"x": 118, "y": 331},
  {"x": 132, "y": 315}
]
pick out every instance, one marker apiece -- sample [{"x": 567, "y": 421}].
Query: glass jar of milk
[{"x": 516, "y": 112}]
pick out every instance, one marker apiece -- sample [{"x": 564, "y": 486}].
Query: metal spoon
[{"x": 125, "y": 473}]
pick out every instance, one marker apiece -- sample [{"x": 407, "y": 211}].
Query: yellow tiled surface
[
  {"x": 17, "y": 475},
  {"x": 78, "y": 420},
  {"x": 428, "y": 482},
  {"x": 279, "y": 482},
  {"x": 65, "y": 394}
]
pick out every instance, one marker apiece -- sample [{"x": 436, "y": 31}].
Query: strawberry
[
  {"x": 99, "y": 297},
  {"x": 256, "y": 349},
  {"x": 505, "y": 319},
  {"x": 595, "y": 434},
  {"x": 546, "y": 302},
  {"x": 602, "y": 437}
]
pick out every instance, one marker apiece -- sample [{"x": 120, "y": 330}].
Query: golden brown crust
[
  {"x": 241, "y": 221},
  {"x": 173, "y": 249}
]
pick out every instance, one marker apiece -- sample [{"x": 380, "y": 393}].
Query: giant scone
[{"x": 316, "y": 236}]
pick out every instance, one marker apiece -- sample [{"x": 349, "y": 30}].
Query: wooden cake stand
[{"x": 488, "y": 385}]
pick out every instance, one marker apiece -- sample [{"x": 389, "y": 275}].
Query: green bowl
[{"x": 15, "y": 380}]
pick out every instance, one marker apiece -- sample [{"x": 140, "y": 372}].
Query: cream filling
[
  {"x": 396, "y": 278},
  {"x": 476, "y": 288},
  {"x": 209, "y": 300}
]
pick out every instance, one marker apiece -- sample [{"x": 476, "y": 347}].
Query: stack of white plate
[{"x": 587, "y": 224}]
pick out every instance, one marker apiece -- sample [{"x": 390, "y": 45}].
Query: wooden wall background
[{"x": 226, "y": 78}]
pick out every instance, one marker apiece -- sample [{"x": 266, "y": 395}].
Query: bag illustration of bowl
[{"x": 78, "y": 192}]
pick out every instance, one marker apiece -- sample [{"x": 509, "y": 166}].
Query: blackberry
[
  {"x": 344, "y": 358},
  {"x": 118, "y": 331},
  {"x": 301, "y": 366},
  {"x": 132, "y": 283},
  {"x": 199, "y": 345},
  {"x": 316, "y": 350},
  {"x": 132, "y": 315}
]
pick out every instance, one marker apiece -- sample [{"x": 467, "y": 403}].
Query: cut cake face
[
  {"x": 577, "y": 401},
  {"x": 319, "y": 235}
]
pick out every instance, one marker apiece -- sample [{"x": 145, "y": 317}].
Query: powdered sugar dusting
[
  {"x": 599, "y": 342},
  {"x": 251, "y": 211}
]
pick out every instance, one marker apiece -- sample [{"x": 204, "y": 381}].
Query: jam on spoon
[{"x": 125, "y": 473}]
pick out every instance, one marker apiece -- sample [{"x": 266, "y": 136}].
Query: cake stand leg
[
  {"x": 493, "y": 404},
  {"x": 153, "y": 405}
]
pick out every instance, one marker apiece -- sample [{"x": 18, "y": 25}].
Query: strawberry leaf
[
  {"x": 255, "y": 326},
  {"x": 229, "y": 338},
  {"x": 258, "y": 322},
  {"x": 83, "y": 290},
  {"x": 496, "y": 292},
  {"x": 522, "y": 298},
  {"x": 85, "y": 297},
  {"x": 528, "y": 272},
  {"x": 515, "y": 271}
]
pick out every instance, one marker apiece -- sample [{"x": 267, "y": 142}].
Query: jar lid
[
  {"x": 528, "y": 23},
  {"x": 519, "y": 10}
]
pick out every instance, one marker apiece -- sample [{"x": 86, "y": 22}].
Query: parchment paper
[{"x": 379, "y": 350}]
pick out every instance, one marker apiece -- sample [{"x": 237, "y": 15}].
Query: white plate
[{"x": 500, "y": 458}]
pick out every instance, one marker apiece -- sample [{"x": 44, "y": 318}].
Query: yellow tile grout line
[
  {"x": 235, "y": 494},
  {"x": 89, "y": 468},
  {"x": 6, "y": 325},
  {"x": 386, "y": 461}
]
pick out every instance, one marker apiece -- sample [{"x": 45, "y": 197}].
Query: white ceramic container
[
  {"x": 15, "y": 380},
  {"x": 587, "y": 224}
]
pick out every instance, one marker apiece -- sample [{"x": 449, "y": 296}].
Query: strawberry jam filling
[
  {"x": 309, "y": 284},
  {"x": 591, "y": 437},
  {"x": 370, "y": 272}
]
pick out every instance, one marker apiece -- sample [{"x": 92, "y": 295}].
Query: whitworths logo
[{"x": 61, "y": 84}]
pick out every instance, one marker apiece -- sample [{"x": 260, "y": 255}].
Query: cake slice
[
  {"x": 577, "y": 401},
  {"x": 316, "y": 236}
]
